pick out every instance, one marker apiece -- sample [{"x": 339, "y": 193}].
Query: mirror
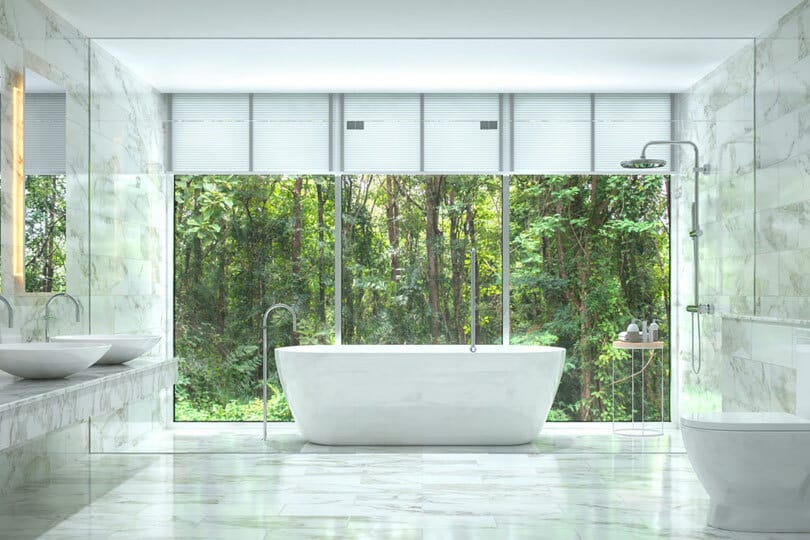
[{"x": 45, "y": 235}]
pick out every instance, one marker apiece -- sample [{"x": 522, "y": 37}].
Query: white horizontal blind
[
  {"x": 210, "y": 133},
  {"x": 385, "y": 135},
  {"x": 624, "y": 123},
  {"x": 44, "y": 134},
  {"x": 291, "y": 132},
  {"x": 401, "y": 133},
  {"x": 552, "y": 132},
  {"x": 455, "y": 138}
]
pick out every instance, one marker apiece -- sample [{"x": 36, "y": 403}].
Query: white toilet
[{"x": 755, "y": 467}]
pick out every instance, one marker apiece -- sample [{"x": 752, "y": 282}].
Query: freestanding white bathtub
[{"x": 419, "y": 394}]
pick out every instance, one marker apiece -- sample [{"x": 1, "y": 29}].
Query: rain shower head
[{"x": 643, "y": 163}]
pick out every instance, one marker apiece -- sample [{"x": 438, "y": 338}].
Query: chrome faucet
[
  {"x": 48, "y": 310},
  {"x": 264, "y": 357},
  {"x": 473, "y": 266},
  {"x": 10, "y": 311}
]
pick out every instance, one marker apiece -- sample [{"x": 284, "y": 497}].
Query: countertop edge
[{"x": 137, "y": 369}]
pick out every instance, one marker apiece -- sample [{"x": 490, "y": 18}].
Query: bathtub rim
[{"x": 426, "y": 348}]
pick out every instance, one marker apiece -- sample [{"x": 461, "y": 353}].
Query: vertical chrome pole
[
  {"x": 613, "y": 391},
  {"x": 505, "y": 262},
  {"x": 643, "y": 366},
  {"x": 662, "y": 389},
  {"x": 633, "y": 389},
  {"x": 264, "y": 378},
  {"x": 338, "y": 259},
  {"x": 473, "y": 267}
]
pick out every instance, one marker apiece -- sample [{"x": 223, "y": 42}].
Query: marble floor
[{"x": 221, "y": 481}]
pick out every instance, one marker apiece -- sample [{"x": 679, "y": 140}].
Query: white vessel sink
[
  {"x": 48, "y": 360},
  {"x": 123, "y": 347}
]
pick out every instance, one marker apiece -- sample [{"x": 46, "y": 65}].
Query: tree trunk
[
  {"x": 347, "y": 315},
  {"x": 458, "y": 275},
  {"x": 297, "y": 226},
  {"x": 195, "y": 268},
  {"x": 321, "y": 309},
  {"x": 221, "y": 286},
  {"x": 433, "y": 189},
  {"x": 392, "y": 220},
  {"x": 471, "y": 236}
]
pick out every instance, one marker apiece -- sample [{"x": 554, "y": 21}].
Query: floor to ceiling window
[
  {"x": 406, "y": 258},
  {"x": 589, "y": 253},
  {"x": 242, "y": 243}
]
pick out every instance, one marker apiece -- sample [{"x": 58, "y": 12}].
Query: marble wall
[
  {"x": 34, "y": 38},
  {"x": 117, "y": 245},
  {"x": 129, "y": 187},
  {"x": 756, "y": 219},
  {"x": 123, "y": 429}
]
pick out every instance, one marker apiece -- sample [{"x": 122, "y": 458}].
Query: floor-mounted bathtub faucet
[
  {"x": 264, "y": 358},
  {"x": 473, "y": 267},
  {"x": 48, "y": 310}
]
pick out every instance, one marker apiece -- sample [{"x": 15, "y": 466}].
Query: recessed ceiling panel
[
  {"x": 429, "y": 65},
  {"x": 421, "y": 18}
]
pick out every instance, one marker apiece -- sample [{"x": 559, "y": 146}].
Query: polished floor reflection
[{"x": 565, "y": 485}]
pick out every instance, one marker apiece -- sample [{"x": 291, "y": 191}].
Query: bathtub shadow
[{"x": 530, "y": 448}]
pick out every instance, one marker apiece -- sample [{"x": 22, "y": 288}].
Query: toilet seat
[{"x": 746, "y": 421}]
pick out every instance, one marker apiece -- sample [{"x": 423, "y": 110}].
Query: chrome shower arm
[
  {"x": 695, "y": 233},
  {"x": 698, "y": 167}
]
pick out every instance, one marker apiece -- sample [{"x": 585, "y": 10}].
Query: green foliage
[
  {"x": 243, "y": 243},
  {"x": 45, "y": 233},
  {"x": 235, "y": 410},
  {"x": 406, "y": 267},
  {"x": 588, "y": 253}
]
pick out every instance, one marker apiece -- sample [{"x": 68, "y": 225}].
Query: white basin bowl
[
  {"x": 48, "y": 360},
  {"x": 123, "y": 347}
]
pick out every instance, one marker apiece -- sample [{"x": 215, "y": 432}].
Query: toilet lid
[{"x": 746, "y": 421}]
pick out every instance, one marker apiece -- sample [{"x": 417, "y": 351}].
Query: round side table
[{"x": 645, "y": 349}]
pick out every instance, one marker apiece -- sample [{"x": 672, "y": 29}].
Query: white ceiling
[
  {"x": 421, "y": 18},
  {"x": 422, "y": 45},
  {"x": 448, "y": 65}
]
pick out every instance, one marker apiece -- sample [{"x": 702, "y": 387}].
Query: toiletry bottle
[
  {"x": 645, "y": 335},
  {"x": 633, "y": 332},
  {"x": 654, "y": 331}
]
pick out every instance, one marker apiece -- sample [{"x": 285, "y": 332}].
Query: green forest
[
  {"x": 45, "y": 233},
  {"x": 587, "y": 254}
]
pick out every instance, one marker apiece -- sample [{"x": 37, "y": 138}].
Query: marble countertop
[
  {"x": 16, "y": 392},
  {"x": 30, "y": 408}
]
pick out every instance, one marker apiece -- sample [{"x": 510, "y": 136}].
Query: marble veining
[
  {"x": 590, "y": 486},
  {"x": 755, "y": 248},
  {"x": 29, "y": 409},
  {"x": 117, "y": 184}
]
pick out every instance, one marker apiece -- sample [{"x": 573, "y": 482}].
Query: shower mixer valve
[{"x": 700, "y": 309}]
